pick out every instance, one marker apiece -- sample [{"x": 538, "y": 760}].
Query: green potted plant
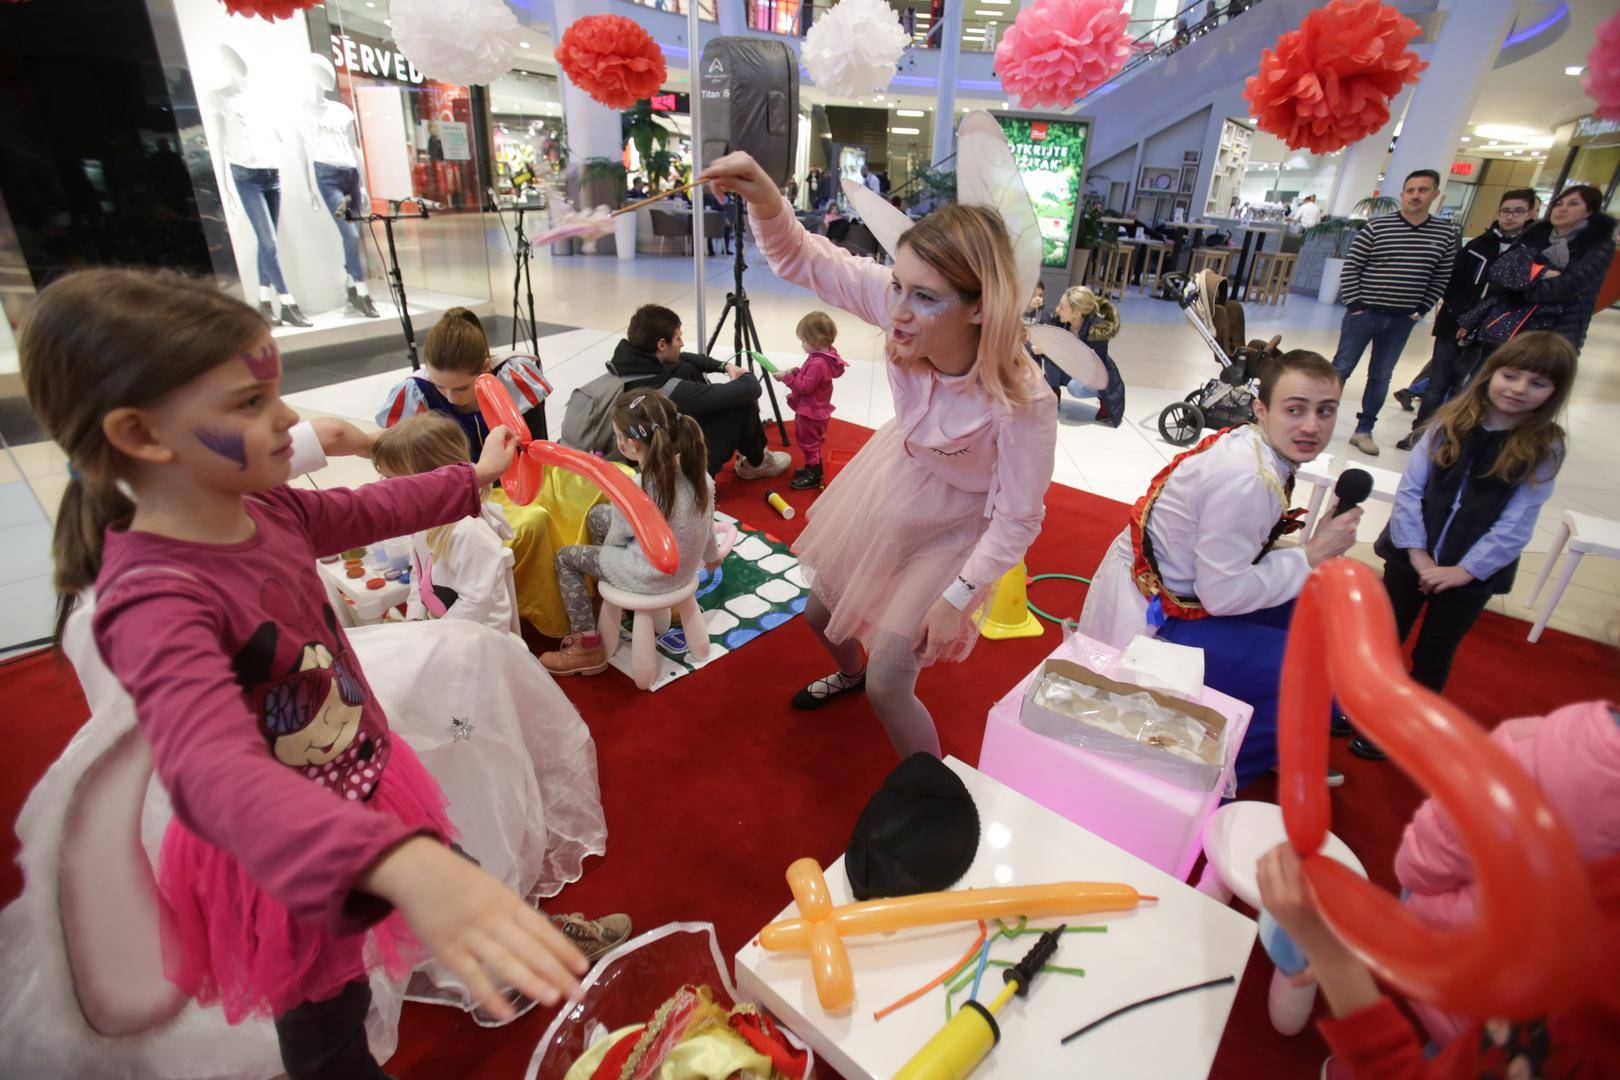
[
  {"x": 1090, "y": 234},
  {"x": 1341, "y": 232},
  {"x": 604, "y": 183}
]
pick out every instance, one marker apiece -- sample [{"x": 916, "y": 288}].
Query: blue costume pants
[{"x": 1243, "y": 658}]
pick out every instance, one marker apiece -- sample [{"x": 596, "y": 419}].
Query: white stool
[
  {"x": 1585, "y": 534},
  {"x": 1235, "y": 838},
  {"x": 1321, "y": 475},
  {"x": 651, "y": 613}
]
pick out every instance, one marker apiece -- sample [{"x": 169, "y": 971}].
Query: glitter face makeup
[
  {"x": 264, "y": 364},
  {"x": 227, "y": 444},
  {"x": 925, "y": 302}
]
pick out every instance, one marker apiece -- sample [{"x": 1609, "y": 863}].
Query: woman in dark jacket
[{"x": 1575, "y": 245}]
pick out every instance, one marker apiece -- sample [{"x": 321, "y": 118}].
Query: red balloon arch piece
[
  {"x": 1329, "y": 83},
  {"x": 269, "y": 10},
  {"x": 612, "y": 59},
  {"x": 1529, "y": 946},
  {"x": 522, "y": 480}
]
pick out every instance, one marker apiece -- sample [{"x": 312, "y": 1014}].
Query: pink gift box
[{"x": 1155, "y": 820}]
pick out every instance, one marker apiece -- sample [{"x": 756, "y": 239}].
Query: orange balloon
[
  {"x": 822, "y": 928},
  {"x": 522, "y": 480},
  {"x": 1525, "y": 953}
]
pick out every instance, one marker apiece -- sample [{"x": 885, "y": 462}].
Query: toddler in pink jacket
[
  {"x": 1573, "y": 753},
  {"x": 810, "y": 392}
]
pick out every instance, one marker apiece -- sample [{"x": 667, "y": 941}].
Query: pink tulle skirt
[
  {"x": 228, "y": 941},
  {"x": 883, "y": 542}
]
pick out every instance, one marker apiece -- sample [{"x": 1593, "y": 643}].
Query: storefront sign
[
  {"x": 670, "y": 103},
  {"x": 1051, "y": 157},
  {"x": 1590, "y": 131},
  {"x": 1462, "y": 168},
  {"x": 376, "y": 58},
  {"x": 457, "y": 146}
]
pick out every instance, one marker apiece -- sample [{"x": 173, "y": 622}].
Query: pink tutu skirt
[
  {"x": 883, "y": 542},
  {"x": 228, "y": 941}
]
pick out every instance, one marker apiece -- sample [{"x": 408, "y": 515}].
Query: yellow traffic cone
[{"x": 1009, "y": 615}]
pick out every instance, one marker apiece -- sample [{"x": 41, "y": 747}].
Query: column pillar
[
  {"x": 1463, "y": 54},
  {"x": 1360, "y": 163},
  {"x": 950, "y": 60},
  {"x": 733, "y": 19}
]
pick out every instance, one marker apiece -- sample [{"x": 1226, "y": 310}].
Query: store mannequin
[
  {"x": 335, "y": 173},
  {"x": 246, "y": 136}
]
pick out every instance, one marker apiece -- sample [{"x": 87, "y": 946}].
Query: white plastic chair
[
  {"x": 1234, "y": 839},
  {"x": 1585, "y": 534},
  {"x": 652, "y": 617}
]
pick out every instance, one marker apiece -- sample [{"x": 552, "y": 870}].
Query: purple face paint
[
  {"x": 227, "y": 444},
  {"x": 264, "y": 364}
]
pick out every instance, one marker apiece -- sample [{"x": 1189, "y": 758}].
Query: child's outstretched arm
[
  {"x": 341, "y": 518},
  {"x": 339, "y": 438},
  {"x": 475, "y": 925}
]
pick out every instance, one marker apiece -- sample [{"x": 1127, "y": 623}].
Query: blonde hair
[
  {"x": 969, "y": 248},
  {"x": 457, "y": 343},
  {"x": 99, "y": 340},
  {"x": 817, "y": 330},
  {"x": 420, "y": 444}
]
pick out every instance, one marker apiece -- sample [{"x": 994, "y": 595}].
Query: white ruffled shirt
[
  {"x": 1212, "y": 518},
  {"x": 474, "y": 566}
]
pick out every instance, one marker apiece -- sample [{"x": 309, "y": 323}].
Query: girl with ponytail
[
  {"x": 669, "y": 448},
  {"x": 308, "y": 844}
]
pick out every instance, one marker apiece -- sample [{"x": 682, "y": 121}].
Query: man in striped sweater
[{"x": 1397, "y": 270}]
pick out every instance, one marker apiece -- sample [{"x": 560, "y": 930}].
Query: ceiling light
[
  {"x": 1507, "y": 132},
  {"x": 992, "y": 14},
  {"x": 879, "y": 97},
  {"x": 904, "y": 131},
  {"x": 1574, "y": 69},
  {"x": 370, "y": 4},
  {"x": 523, "y": 44},
  {"x": 1466, "y": 138},
  {"x": 908, "y": 112}
]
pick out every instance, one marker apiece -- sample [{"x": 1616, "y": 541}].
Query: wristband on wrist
[{"x": 959, "y": 594}]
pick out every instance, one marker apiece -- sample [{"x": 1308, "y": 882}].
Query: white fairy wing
[
  {"x": 885, "y": 220},
  {"x": 1069, "y": 353},
  {"x": 987, "y": 175}
]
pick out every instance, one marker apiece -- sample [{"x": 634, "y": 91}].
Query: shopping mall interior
[{"x": 316, "y": 167}]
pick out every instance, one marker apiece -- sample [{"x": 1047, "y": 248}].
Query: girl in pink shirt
[
  {"x": 308, "y": 844},
  {"x": 810, "y": 387},
  {"x": 913, "y": 534}
]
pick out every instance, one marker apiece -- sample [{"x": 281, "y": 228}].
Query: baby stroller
[{"x": 1228, "y": 399}]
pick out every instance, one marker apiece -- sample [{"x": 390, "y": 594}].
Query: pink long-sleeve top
[
  {"x": 1573, "y": 754},
  {"x": 951, "y": 427},
  {"x": 811, "y": 385},
  {"x": 263, "y": 728}
]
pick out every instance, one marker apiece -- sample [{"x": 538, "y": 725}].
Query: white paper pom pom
[
  {"x": 465, "y": 42},
  {"x": 854, "y": 49}
]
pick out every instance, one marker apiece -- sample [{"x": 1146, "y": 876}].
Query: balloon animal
[
  {"x": 822, "y": 927},
  {"x": 1536, "y": 914},
  {"x": 522, "y": 480}
]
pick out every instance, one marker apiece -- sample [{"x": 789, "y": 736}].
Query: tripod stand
[
  {"x": 523, "y": 286},
  {"x": 745, "y": 333},
  {"x": 396, "y": 281}
]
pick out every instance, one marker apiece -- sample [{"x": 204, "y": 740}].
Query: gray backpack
[{"x": 588, "y": 418}]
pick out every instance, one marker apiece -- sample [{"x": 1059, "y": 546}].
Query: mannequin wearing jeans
[
  {"x": 246, "y": 136},
  {"x": 334, "y": 174}
]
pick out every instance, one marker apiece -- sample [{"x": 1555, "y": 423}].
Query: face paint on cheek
[
  {"x": 227, "y": 444},
  {"x": 264, "y": 364}
]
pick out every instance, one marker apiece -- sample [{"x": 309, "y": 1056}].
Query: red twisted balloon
[
  {"x": 522, "y": 480},
  {"x": 1536, "y": 915}
]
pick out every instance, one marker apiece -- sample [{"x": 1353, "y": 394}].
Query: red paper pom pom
[
  {"x": 1329, "y": 83},
  {"x": 1602, "y": 81},
  {"x": 269, "y": 10},
  {"x": 612, "y": 59}
]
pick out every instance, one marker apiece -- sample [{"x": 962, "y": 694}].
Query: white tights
[{"x": 890, "y": 687}]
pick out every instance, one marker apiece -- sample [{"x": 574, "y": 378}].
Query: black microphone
[{"x": 1351, "y": 490}]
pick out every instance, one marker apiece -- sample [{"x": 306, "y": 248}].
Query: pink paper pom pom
[
  {"x": 1057, "y": 51},
  {"x": 1602, "y": 79}
]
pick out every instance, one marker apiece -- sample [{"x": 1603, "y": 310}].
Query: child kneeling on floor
[
  {"x": 669, "y": 448},
  {"x": 810, "y": 393},
  {"x": 458, "y": 570}
]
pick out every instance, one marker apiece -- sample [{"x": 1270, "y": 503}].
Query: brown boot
[{"x": 581, "y": 654}]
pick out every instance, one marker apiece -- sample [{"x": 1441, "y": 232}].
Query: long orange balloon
[
  {"x": 522, "y": 480},
  {"x": 822, "y": 928},
  {"x": 1522, "y": 957}
]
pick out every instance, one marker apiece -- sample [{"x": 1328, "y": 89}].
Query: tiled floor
[{"x": 1160, "y": 356}]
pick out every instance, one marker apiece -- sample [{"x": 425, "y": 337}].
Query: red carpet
[{"x": 712, "y": 786}]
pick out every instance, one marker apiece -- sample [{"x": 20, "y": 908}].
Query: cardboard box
[{"x": 1141, "y": 756}]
